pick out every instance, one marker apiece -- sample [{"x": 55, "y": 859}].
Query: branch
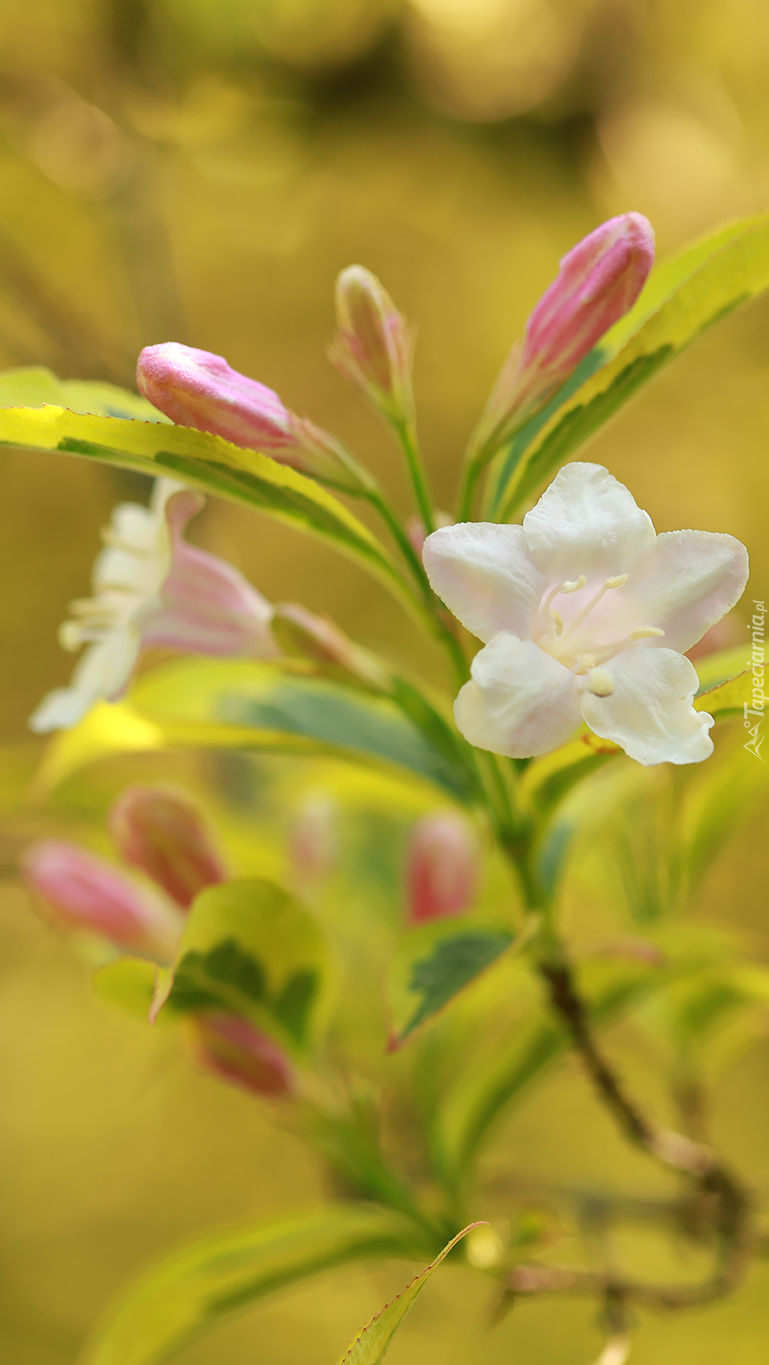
[
  {"x": 723, "y": 1195},
  {"x": 674, "y": 1150},
  {"x": 529, "y": 1279}
]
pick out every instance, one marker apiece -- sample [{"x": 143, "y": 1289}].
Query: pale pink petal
[
  {"x": 485, "y": 575},
  {"x": 687, "y": 583},
  {"x": 520, "y": 701},
  {"x": 650, "y": 713},
  {"x": 587, "y": 523},
  {"x": 205, "y": 606}
]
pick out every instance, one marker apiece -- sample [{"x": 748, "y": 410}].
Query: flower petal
[
  {"x": 687, "y": 583},
  {"x": 520, "y": 701},
  {"x": 650, "y": 712},
  {"x": 485, "y": 575},
  {"x": 587, "y": 523},
  {"x": 104, "y": 670},
  {"x": 205, "y": 606}
]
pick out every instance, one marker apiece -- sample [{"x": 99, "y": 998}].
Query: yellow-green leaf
[
  {"x": 33, "y": 385},
  {"x": 704, "y": 285},
  {"x": 211, "y": 464},
  {"x": 195, "y": 1288},
  {"x": 370, "y": 1347},
  {"x": 128, "y": 983},
  {"x": 244, "y": 704},
  {"x": 251, "y": 949}
]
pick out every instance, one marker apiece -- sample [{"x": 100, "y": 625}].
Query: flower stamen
[{"x": 617, "y": 582}]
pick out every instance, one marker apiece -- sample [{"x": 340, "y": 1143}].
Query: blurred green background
[{"x": 200, "y": 170}]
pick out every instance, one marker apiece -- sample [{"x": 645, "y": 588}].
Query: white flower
[
  {"x": 150, "y": 587},
  {"x": 585, "y": 614}
]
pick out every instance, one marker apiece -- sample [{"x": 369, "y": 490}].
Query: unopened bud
[
  {"x": 723, "y": 635},
  {"x": 373, "y": 343},
  {"x": 232, "y": 1049},
  {"x": 161, "y": 832},
  {"x": 442, "y": 868},
  {"x": 199, "y": 389},
  {"x": 417, "y": 531},
  {"x": 598, "y": 282},
  {"x": 318, "y": 639},
  {"x": 87, "y": 893}
]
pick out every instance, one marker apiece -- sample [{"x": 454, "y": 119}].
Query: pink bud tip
[
  {"x": 599, "y": 280},
  {"x": 161, "y": 832},
  {"x": 199, "y": 389},
  {"x": 87, "y": 893},
  {"x": 442, "y": 868},
  {"x": 232, "y": 1049}
]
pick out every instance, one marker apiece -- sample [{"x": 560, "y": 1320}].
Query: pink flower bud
[
  {"x": 442, "y": 868},
  {"x": 232, "y": 1049},
  {"x": 161, "y": 832},
  {"x": 199, "y": 389},
  {"x": 723, "y": 635},
  {"x": 417, "y": 531},
  {"x": 373, "y": 343},
  {"x": 598, "y": 282},
  {"x": 87, "y": 893}
]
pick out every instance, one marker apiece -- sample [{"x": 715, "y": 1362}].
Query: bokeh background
[{"x": 200, "y": 170}]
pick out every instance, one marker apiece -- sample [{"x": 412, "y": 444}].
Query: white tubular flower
[
  {"x": 150, "y": 587},
  {"x": 586, "y": 614}
]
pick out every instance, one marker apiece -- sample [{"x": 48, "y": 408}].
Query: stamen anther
[
  {"x": 645, "y": 633},
  {"x": 600, "y": 682},
  {"x": 618, "y": 581}
]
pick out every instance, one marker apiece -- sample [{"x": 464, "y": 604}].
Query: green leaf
[
  {"x": 34, "y": 385},
  {"x": 211, "y": 464},
  {"x": 728, "y": 700},
  {"x": 722, "y": 667},
  {"x": 128, "y": 983},
  {"x": 694, "y": 1008},
  {"x": 251, "y": 949},
  {"x": 493, "y": 1082},
  {"x": 434, "y": 964},
  {"x": 371, "y": 1346},
  {"x": 547, "y": 780},
  {"x": 195, "y": 1288},
  {"x": 726, "y": 682},
  {"x": 243, "y": 704},
  {"x": 688, "y": 296}
]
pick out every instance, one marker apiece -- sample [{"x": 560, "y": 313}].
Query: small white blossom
[
  {"x": 586, "y": 614},
  {"x": 150, "y": 587}
]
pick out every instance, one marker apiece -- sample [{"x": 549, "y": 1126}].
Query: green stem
[
  {"x": 471, "y": 473},
  {"x": 406, "y": 433},
  {"x": 439, "y": 626}
]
